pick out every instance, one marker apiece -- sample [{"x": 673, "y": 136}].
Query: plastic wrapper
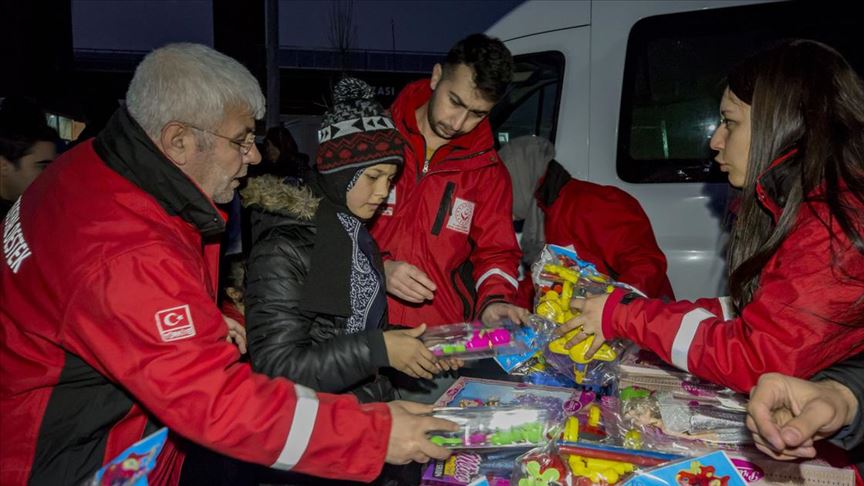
[
  {"x": 474, "y": 340},
  {"x": 534, "y": 336},
  {"x": 580, "y": 464},
  {"x": 467, "y": 466},
  {"x": 559, "y": 403},
  {"x": 494, "y": 427},
  {"x": 559, "y": 276},
  {"x": 678, "y": 422}
]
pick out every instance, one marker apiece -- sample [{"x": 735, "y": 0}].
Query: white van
[{"x": 629, "y": 91}]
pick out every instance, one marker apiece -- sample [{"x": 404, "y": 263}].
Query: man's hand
[
  {"x": 236, "y": 333},
  {"x": 589, "y": 317},
  {"x": 409, "y": 355},
  {"x": 494, "y": 313},
  {"x": 786, "y": 414},
  {"x": 408, "y": 282},
  {"x": 408, "y": 440}
]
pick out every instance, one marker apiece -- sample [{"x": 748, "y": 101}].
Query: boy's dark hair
[
  {"x": 22, "y": 124},
  {"x": 490, "y": 60}
]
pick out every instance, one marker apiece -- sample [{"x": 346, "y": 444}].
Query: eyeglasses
[{"x": 244, "y": 147}]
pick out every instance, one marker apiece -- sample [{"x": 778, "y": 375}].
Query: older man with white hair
[{"x": 108, "y": 322}]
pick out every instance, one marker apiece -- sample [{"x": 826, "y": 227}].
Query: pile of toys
[{"x": 621, "y": 417}]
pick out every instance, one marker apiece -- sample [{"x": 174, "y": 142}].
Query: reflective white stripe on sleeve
[
  {"x": 684, "y": 338},
  {"x": 726, "y": 304},
  {"x": 301, "y": 429},
  {"x": 496, "y": 271}
]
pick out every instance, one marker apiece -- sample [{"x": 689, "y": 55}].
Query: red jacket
[
  {"x": 806, "y": 314},
  {"x": 454, "y": 222},
  {"x": 109, "y": 327},
  {"x": 608, "y": 228}
]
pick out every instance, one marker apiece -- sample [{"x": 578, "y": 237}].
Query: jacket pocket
[{"x": 444, "y": 207}]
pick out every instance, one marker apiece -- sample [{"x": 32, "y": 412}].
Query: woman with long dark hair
[{"x": 792, "y": 138}]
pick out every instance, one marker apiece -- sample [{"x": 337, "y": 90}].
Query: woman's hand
[
  {"x": 409, "y": 355},
  {"x": 589, "y": 317}
]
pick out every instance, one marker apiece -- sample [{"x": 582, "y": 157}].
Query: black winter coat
[{"x": 313, "y": 350}]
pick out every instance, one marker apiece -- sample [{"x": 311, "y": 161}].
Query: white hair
[{"x": 190, "y": 83}]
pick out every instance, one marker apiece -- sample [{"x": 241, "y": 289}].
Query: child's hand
[
  {"x": 450, "y": 363},
  {"x": 409, "y": 355},
  {"x": 236, "y": 333}
]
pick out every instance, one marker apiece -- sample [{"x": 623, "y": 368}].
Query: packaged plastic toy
[
  {"x": 466, "y": 466},
  {"x": 583, "y": 465},
  {"x": 133, "y": 465},
  {"x": 474, "y": 340},
  {"x": 559, "y": 403},
  {"x": 494, "y": 427},
  {"x": 677, "y": 422},
  {"x": 560, "y": 276}
]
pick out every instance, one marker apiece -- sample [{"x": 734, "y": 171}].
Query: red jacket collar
[
  {"x": 773, "y": 184},
  {"x": 404, "y": 108}
]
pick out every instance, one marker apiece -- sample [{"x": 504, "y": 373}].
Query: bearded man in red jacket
[{"x": 446, "y": 235}]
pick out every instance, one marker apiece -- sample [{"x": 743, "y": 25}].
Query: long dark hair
[{"x": 804, "y": 96}]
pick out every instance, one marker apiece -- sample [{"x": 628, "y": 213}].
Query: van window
[
  {"x": 673, "y": 80},
  {"x": 531, "y": 105}
]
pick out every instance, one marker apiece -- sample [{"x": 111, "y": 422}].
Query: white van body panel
[{"x": 592, "y": 36}]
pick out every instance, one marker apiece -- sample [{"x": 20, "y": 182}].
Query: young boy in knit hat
[{"x": 316, "y": 297}]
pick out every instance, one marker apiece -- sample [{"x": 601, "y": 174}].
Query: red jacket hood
[{"x": 415, "y": 95}]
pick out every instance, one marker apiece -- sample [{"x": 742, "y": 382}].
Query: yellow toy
[
  {"x": 599, "y": 470},
  {"x": 556, "y": 307},
  {"x": 571, "y": 430},
  {"x": 577, "y": 353}
]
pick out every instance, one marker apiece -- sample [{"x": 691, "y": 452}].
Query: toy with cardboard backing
[
  {"x": 478, "y": 392},
  {"x": 132, "y": 466}
]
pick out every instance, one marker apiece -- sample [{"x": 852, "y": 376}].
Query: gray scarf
[{"x": 526, "y": 158}]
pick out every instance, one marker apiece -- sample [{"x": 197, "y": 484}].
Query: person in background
[
  {"x": 605, "y": 225},
  {"x": 27, "y": 146},
  {"x": 792, "y": 138},
  {"x": 109, "y": 321},
  {"x": 282, "y": 157},
  {"x": 787, "y": 415}
]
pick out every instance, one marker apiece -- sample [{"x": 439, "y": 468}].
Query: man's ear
[
  {"x": 176, "y": 141},
  {"x": 437, "y": 73},
  {"x": 6, "y": 166}
]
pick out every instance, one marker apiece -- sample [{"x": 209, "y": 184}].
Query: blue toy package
[
  {"x": 715, "y": 469},
  {"x": 133, "y": 465},
  {"x": 534, "y": 336}
]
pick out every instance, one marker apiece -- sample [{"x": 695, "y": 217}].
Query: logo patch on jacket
[
  {"x": 175, "y": 323},
  {"x": 386, "y": 209},
  {"x": 461, "y": 215}
]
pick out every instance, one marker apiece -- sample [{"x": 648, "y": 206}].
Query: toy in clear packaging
[
  {"x": 493, "y": 427},
  {"x": 474, "y": 340},
  {"x": 558, "y": 403},
  {"x": 579, "y": 464},
  {"x": 466, "y": 466},
  {"x": 534, "y": 336},
  {"x": 559, "y": 276},
  {"x": 675, "y": 422}
]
